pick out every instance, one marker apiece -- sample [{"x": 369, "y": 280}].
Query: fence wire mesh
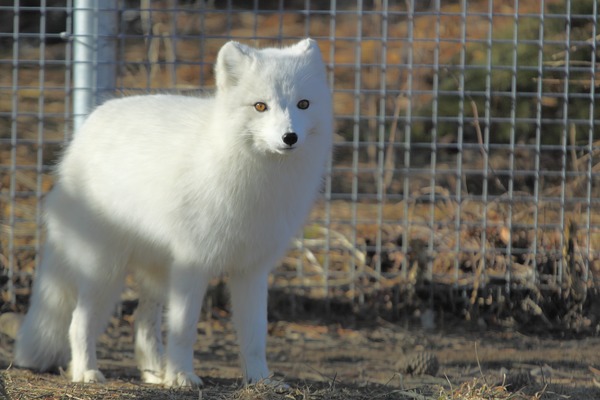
[{"x": 465, "y": 158}]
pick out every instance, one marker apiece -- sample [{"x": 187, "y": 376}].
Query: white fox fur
[{"x": 177, "y": 190}]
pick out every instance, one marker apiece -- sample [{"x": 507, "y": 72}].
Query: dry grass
[
  {"x": 18, "y": 384},
  {"x": 478, "y": 390}
]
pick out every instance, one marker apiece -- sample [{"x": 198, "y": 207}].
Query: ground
[
  {"x": 321, "y": 360},
  {"x": 327, "y": 357}
]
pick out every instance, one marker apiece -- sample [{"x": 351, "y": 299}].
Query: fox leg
[
  {"x": 187, "y": 288},
  {"x": 96, "y": 300},
  {"x": 249, "y": 303},
  {"x": 148, "y": 317}
]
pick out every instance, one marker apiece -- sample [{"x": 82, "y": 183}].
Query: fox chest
[{"x": 242, "y": 230}]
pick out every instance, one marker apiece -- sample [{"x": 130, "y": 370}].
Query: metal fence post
[{"x": 94, "y": 55}]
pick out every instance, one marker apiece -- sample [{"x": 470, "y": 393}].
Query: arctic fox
[{"x": 176, "y": 190}]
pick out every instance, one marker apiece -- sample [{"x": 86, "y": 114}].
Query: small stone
[{"x": 419, "y": 363}]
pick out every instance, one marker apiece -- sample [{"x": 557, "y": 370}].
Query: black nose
[{"x": 290, "y": 138}]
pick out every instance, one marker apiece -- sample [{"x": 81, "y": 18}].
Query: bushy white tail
[{"x": 43, "y": 341}]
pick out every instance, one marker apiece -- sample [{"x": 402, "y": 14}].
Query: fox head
[{"x": 277, "y": 100}]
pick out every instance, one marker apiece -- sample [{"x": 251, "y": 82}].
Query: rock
[{"x": 418, "y": 363}]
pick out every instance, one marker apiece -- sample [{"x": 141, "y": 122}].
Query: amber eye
[
  {"x": 303, "y": 104},
  {"x": 260, "y": 107}
]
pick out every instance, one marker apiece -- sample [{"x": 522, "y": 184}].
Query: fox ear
[
  {"x": 231, "y": 61},
  {"x": 309, "y": 47},
  {"x": 308, "y": 44}
]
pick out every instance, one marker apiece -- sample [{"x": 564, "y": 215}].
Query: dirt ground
[
  {"x": 331, "y": 361},
  {"x": 320, "y": 359}
]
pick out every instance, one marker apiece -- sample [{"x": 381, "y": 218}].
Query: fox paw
[
  {"x": 152, "y": 377},
  {"x": 183, "y": 380},
  {"x": 89, "y": 376}
]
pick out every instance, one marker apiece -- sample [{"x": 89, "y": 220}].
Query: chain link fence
[{"x": 465, "y": 173}]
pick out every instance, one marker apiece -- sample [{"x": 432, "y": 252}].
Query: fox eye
[
  {"x": 260, "y": 106},
  {"x": 303, "y": 104}
]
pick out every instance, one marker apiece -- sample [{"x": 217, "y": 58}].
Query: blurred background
[{"x": 465, "y": 175}]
